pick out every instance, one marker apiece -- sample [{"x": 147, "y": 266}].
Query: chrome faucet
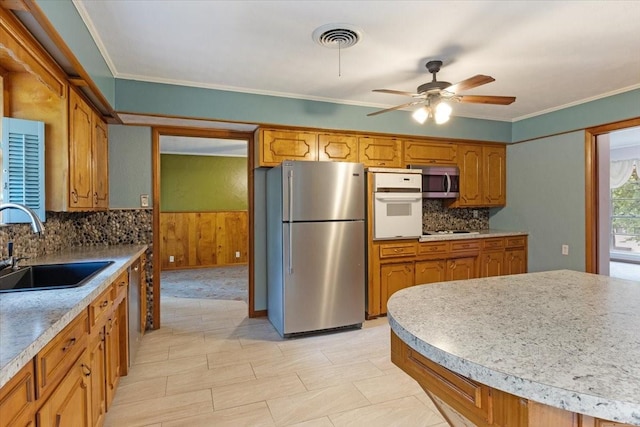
[{"x": 36, "y": 224}]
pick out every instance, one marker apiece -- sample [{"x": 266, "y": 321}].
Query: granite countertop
[
  {"x": 481, "y": 234},
  {"x": 30, "y": 319},
  {"x": 563, "y": 338}
]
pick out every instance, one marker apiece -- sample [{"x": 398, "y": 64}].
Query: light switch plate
[{"x": 144, "y": 200}]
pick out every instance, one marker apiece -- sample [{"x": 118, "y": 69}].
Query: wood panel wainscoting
[{"x": 203, "y": 239}]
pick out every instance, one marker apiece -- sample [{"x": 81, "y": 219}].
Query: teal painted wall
[
  {"x": 203, "y": 183},
  {"x": 65, "y": 18},
  {"x": 545, "y": 196},
  {"x": 129, "y": 166},
  {"x": 143, "y": 97}
]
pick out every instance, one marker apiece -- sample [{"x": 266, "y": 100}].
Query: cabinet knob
[
  {"x": 104, "y": 304},
  {"x": 86, "y": 370},
  {"x": 70, "y": 344}
]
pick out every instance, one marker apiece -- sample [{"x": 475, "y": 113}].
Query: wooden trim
[
  {"x": 591, "y": 188},
  {"x": 157, "y": 131}
]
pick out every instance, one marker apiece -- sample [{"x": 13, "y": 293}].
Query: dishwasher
[{"x": 135, "y": 332}]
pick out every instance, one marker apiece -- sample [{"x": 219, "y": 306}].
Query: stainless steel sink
[{"x": 50, "y": 276}]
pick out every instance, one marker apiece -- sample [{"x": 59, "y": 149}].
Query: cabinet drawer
[
  {"x": 55, "y": 359},
  {"x": 433, "y": 248},
  {"x": 465, "y": 245},
  {"x": 493, "y": 244},
  {"x": 466, "y": 396},
  {"x": 120, "y": 288},
  {"x": 516, "y": 242},
  {"x": 100, "y": 306},
  {"x": 17, "y": 397},
  {"x": 397, "y": 250}
]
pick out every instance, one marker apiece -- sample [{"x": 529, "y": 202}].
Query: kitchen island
[{"x": 551, "y": 348}]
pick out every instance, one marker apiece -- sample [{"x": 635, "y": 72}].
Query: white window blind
[{"x": 22, "y": 168}]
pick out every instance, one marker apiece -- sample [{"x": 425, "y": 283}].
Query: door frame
[
  {"x": 591, "y": 188},
  {"x": 157, "y": 132}
]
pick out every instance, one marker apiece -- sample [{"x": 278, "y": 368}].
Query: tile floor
[{"x": 210, "y": 365}]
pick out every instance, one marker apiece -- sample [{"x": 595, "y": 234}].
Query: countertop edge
[
  {"x": 482, "y": 234},
  {"x": 12, "y": 367},
  {"x": 578, "y": 402}
]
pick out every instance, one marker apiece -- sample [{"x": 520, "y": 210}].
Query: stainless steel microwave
[{"x": 439, "y": 182}]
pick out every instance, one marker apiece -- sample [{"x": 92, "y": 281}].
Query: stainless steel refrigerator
[{"x": 315, "y": 246}]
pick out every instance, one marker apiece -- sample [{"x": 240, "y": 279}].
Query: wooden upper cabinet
[
  {"x": 429, "y": 153},
  {"x": 337, "y": 148},
  {"x": 482, "y": 176},
  {"x": 80, "y": 148},
  {"x": 279, "y": 145},
  {"x": 100, "y": 164},
  {"x": 383, "y": 152}
]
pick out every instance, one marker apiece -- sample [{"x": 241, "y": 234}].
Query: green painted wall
[
  {"x": 65, "y": 18},
  {"x": 545, "y": 196},
  {"x": 202, "y": 183},
  {"x": 129, "y": 166}
]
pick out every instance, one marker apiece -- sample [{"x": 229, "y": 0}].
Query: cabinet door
[
  {"x": 379, "y": 152},
  {"x": 100, "y": 167},
  {"x": 337, "y": 148},
  {"x": 17, "y": 397},
  {"x": 112, "y": 352},
  {"x": 80, "y": 153},
  {"x": 470, "y": 164},
  {"x": 492, "y": 264},
  {"x": 461, "y": 268},
  {"x": 515, "y": 261},
  {"x": 429, "y": 153},
  {"x": 394, "y": 277},
  {"x": 430, "y": 271},
  {"x": 494, "y": 176},
  {"x": 69, "y": 403},
  {"x": 98, "y": 378},
  {"x": 279, "y": 145}
]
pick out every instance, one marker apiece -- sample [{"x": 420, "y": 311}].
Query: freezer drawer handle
[{"x": 290, "y": 228}]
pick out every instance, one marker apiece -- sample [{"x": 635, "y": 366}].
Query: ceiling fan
[{"x": 434, "y": 94}]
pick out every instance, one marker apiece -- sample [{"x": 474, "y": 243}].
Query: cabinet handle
[
  {"x": 95, "y": 198},
  {"x": 74, "y": 196},
  {"x": 104, "y": 304},
  {"x": 135, "y": 268},
  {"x": 121, "y": 284},
  {"x": 71, "y": 343},
  {"x": 86, "y": 370}
]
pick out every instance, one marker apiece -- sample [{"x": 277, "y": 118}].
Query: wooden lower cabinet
[
  {"x": 515, "y": 261},
  {"x": 492, "y": 264},
  {"x": 461, "y": 268},
  {"x": 69, "y": 404},
  {"x": 465, "y": 402},
  {"x": 17, "y": 397},
  {"x": 112, "y": 353},
  {"x": 98, "y": 378},
  {"x": 395, "y": 277},
  {"x": 431, "y": 271}
]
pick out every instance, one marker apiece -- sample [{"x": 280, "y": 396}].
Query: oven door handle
[{"x": 398, "y": 199}]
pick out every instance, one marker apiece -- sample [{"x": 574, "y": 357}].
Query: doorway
[
  {"x": 178, "y": 208},
  {"x": 613, "y": 200}
]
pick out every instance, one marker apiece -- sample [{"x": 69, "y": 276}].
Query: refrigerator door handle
[{"x": 290, "y": 179}]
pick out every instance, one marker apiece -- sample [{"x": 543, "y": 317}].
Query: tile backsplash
[{"x": 436, "y": 217}]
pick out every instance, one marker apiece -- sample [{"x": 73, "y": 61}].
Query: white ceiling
[{"x": 549, "y": 54}]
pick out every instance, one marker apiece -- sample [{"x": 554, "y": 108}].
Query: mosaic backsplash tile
[
  {"x": 437, "y": 217},
  {"x": 72, "y": 229}
]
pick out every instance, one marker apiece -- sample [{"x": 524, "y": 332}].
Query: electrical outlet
[
  {"x": 144, "y": 200},
  {"x": 171, "y": 258},
  {"x": 565, "y": 249},
  {"x": 237, "y": 254}
]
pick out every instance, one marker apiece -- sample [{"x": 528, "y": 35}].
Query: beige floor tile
[
  {"x": 254, "y": 415},
  {"x": 328, "y": 376},
  {"x": 168, "y": 367},
  {"x": 318, "y": 422},
  {"x": 383, "y": 362},
  {"x": 203, "y": 347},
  {"x": 251, "y": 354},
  {"x": 256, "y": 390},
  {"x": 163, "y": 339},
  {"x": 209, "y": 378},
  {"x": 388, "y": 387},
  {"x": 130, "y": 391},
  {"x": 160, "y": 409},
  {"x": 407, "y": 411},
  {"x": 315, "y": 404},
  {"x": 352, "y": 353},
  {"x": 426, "y": 400},
  {"x": 287, "y": 364},
  {"x": 151, "y": 353}
]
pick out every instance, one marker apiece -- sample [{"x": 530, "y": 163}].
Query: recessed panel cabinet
[
  {"x": 279, "y": 145},
  {"x": 429, "y": 153},
  {"x": 482, "y": 176},
  {"x": 394, "y": 277},
  {"x": 337, "y": 148},
  {"x": 380, "y": 152}
]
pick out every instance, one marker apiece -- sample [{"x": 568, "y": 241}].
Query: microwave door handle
[
  {"x": 448, "y": 178},
  {"x": 290, "y": 178}
]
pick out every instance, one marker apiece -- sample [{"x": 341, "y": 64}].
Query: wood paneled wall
[{"x": 202, "y": 239}]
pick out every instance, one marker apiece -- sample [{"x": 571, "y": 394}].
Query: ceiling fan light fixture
[
  {"x": 442, "y": 113},
  {"x": 421, "y": 115}
]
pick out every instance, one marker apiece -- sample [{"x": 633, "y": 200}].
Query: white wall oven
[{"x": 397, "y": 206}]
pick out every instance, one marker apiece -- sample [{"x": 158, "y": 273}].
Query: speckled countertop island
[
  {"x": 562, "y": 338},
  {"x": 30, "y": 319}
]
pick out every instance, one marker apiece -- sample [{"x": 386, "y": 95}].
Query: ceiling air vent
[{"x": 337, "y": 36}]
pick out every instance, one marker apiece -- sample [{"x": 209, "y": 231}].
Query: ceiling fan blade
[
  {"x": 470, "y": 83},
  {"x": 395, "y": 92},
  {"x": 483, "y": 99},
  {"x": 397, "y": 107}
]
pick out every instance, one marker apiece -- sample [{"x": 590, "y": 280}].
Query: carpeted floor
[{"x": 226, "y": 283}]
